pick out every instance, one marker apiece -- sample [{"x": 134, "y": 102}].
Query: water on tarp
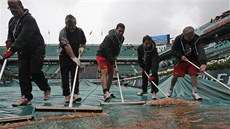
[{"x": 212, "y": 112}]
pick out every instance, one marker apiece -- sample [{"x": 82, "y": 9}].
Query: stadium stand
[{"x": 215, "y": 33}]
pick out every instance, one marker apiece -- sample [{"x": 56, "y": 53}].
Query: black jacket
[
  {"x": 110, "y": 47},
  {"x": 148, "y": 58},
  {"x": 75, "y": 39},
  {"x": 193, "y": 50},
  {"x": 24, "y": 34}
]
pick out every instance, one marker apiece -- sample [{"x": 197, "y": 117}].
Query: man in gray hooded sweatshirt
[
  {"x": 188, "y": 46},
  {"x": 107, "y": 54}
]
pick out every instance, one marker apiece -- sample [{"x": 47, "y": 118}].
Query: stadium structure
[{"x": 216, "y": 36}]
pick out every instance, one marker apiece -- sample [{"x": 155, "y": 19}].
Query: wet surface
[{"x": 211, "y": 112}]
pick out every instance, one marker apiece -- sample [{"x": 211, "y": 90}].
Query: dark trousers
[
  {"x": 66, "y": 70},
  {"x": 30, "y": 68},
  {"x": 145, "y": 82}
]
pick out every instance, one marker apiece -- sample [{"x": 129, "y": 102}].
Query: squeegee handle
[
  {"x": 119, "y": 84},
  {"x": 74, "y": 85},
  {"x": 209, "y": 75},
  {"x": 3, "y": 68},
  {"x": 156, "y": 86}
]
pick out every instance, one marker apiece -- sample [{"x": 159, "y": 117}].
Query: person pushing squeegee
[
  {"x": 122, "y": 98},
  {"x": 70, "y": 107}
]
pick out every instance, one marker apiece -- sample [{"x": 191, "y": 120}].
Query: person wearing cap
[
  {"x": 188, "y": 46},
  {"x": 24, "y": 37},
  {"x": 106, "y": 56},
  {"x": 148, "y": 59},
  {"x": 71, "y": 43}
]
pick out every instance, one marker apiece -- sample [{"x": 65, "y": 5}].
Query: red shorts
[
  {"x": 185, "y": 67},
  {"x": 104, "y": 64}
]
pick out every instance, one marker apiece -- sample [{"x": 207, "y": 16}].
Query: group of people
[{"x": 24, "y": 37}]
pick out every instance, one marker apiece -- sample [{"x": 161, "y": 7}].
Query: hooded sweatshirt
[
  {"x": 110, "y": 47},
  {"x": 148, "y": 58},
  {"x": 193, "y": 50}
]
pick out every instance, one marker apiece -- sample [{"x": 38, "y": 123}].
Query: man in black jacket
[
  {"x": 107, "y": 54},
  {"x": 25, "y": 38},
  {"x": 72, "y": 42},
  {"x": 148, "y": 59},
  {"x": 188, "y": 46}
]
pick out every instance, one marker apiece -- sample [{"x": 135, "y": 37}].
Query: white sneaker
[
  {"x": 107, "y": 96},
  {"x": 169, "y": 93},
  {"x": 76, "y": 97},
  {"x": 141, "y": 93},
  {"x": 195, "y": 96},
  {"x": 154, "y": 96}
]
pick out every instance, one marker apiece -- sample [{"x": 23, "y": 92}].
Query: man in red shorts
[
  {"x": 107, "y": 54},
  {"x": 188, "y": 46}
]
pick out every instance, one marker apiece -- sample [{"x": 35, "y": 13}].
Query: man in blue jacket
[
  {"x": 107, "y": 54},
  {"x": 24, "y": 37}
]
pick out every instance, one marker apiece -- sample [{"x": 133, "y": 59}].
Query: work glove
[
  {"x": 151, "y": 78},
  {"x": 115, "y": 69},
  {"x": 143, "y": 69},
  {"x": 76, "y": 60},
  {"x": 8, "y": 44},
  {"x": 8, "y": 54},
  {"x": 81, "y": 50}
]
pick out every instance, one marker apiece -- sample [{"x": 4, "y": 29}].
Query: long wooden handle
[
  {"x": 209, "y": 75},
  {"x": 3, "y": 68},
  {"x": 156, "y": 86},
  {"x": 119, "y": 84},
  {"x": 74, "y": 83}
]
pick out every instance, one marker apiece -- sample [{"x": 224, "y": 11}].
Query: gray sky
[{"x": 141, "y": 17}]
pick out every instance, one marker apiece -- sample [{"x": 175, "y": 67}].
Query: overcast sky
[{"x": 141, "y": 17}]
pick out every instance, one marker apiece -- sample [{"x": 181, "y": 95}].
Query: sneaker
[
  {"x": 154, "y": 96},
  {"x": 67, "y": 99},
  {"x": 141, "y": 93},
  {"x": 107, "y": 96},
  {"x": 76, "y": 97},
  {"x": 112, "y": 95},
  {"x": 169, "y": 93},
  {"x": 195, "y": 96},
  {"x": 46, "y": 95},
  {"x": 22, "y": 102}
]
